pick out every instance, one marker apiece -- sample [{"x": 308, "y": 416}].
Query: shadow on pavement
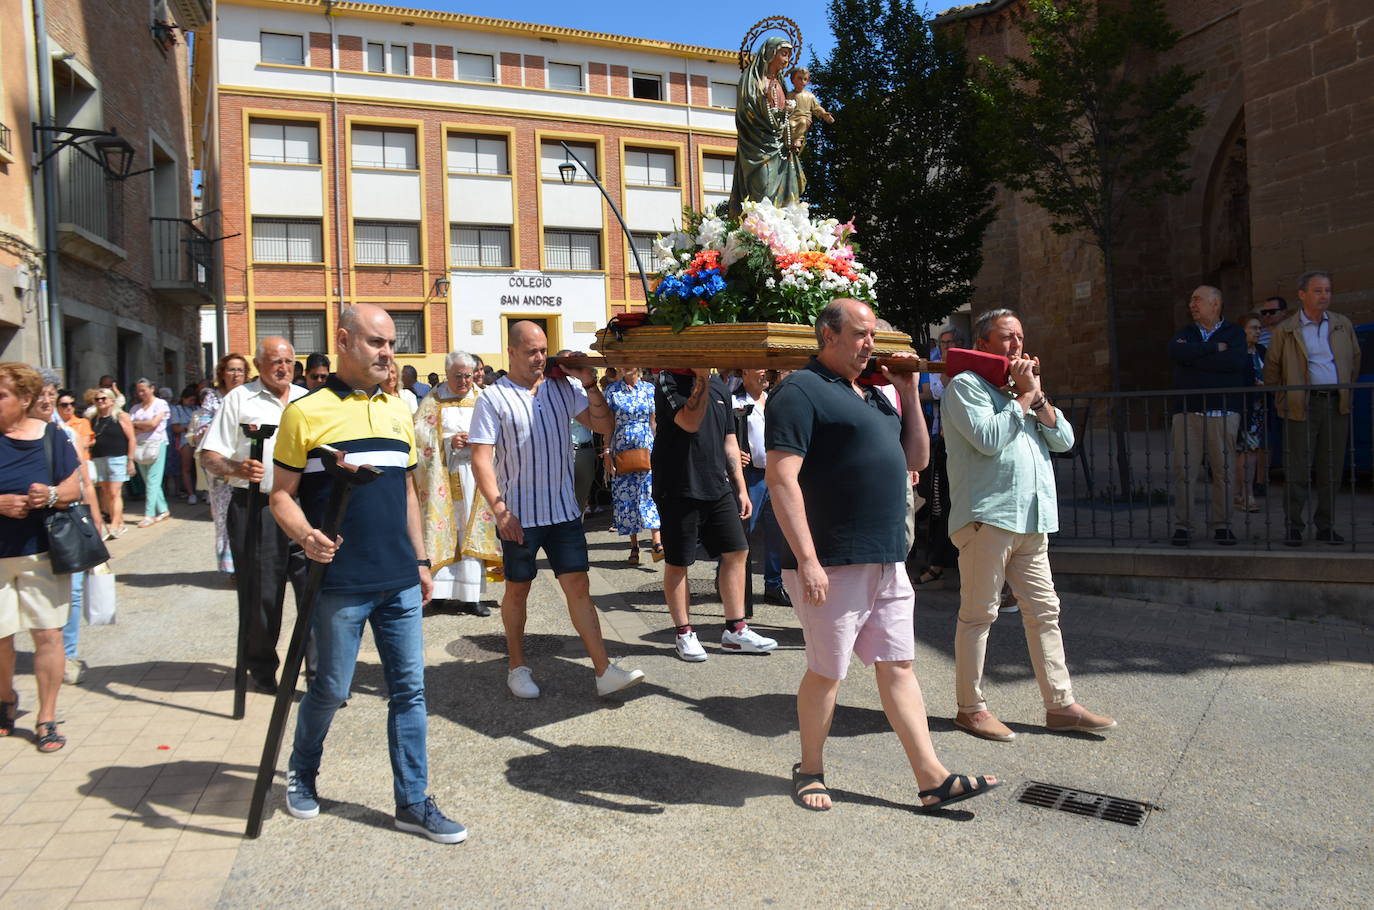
[
  {"x": 211, "y": 579},
  {"x": 166, "y": 677}
]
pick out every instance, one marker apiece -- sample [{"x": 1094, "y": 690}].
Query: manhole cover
[{"x": 1082, "y": 802}]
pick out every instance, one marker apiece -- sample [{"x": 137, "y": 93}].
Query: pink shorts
[{"x": 868, "y": 611}]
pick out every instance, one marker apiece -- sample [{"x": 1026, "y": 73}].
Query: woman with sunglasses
[
  {"x": 113, "y": 456},
  {"x": 230, "y": 373}
]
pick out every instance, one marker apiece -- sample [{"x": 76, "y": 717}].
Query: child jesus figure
[{"x": 804, "y": 107}]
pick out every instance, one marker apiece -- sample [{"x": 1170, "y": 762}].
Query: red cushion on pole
[{"x": 995, "y": 368}]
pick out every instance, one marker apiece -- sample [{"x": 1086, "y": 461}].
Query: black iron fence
[
  {"x": 182, "y": 253},
  {"x": 87, "y": 198},
  {"x": 1148, "y": 465}
]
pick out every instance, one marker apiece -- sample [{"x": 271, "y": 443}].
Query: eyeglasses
[
  {"x": 462, "y": 375},
  {"x": 1269, "y": 312},
  {"x": 100, "y": 398},
  {"x": 66, "y": 404}
]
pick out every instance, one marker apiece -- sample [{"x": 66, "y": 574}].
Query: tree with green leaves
[
  {"x": 1088, "y": 126},
  {"x": 902, "y": 158}
]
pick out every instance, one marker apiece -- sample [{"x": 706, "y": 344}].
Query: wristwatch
[{"x": 424, "y": 562}]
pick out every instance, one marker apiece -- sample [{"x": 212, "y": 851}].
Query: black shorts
[{"x": 716, "y": 523}]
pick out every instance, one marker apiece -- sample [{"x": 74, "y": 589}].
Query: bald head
[
  {"x": 527, "y": 351},
  {"x": 366, "y": 339},
  {"x": 276, "y": 363}
]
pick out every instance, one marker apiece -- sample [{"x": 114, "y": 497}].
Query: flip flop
[
  {"x": 146, "y": 523},
  {"x": 802, "y": 786},
  {"x": 942, "y": 792},
  {"x": 8, "y": 711}
]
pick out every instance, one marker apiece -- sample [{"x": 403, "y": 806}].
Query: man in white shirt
[
  {"x": 225, "y": 453},
  {"x": 522, "y": 460}
]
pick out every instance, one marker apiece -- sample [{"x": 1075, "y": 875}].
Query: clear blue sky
[{"x": 720, "y": 25}]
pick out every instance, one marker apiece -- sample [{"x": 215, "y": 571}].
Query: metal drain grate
[{"x": 1082, "y": 802}]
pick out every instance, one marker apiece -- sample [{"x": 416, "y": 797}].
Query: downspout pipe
[
  {"x": 221, "y": 319},
  {"x": 339, "y": 151},
  {"x": 51, "y": 347}
]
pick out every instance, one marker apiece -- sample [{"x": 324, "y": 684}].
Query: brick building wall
[
  {"x": 115, "y": 321},
  {"x": 1283, "y": 181},
  {"x": 263, "y": 287}
]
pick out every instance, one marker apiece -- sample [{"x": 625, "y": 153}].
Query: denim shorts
[
  {"x": 111, "y": 468},
  {"x": 564, "y": 544}
]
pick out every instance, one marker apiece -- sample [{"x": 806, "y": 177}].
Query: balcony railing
[
  {"x": 1134, "y": 463},
  {"x": 87, "y": 198},
  {"x": 5, "y": 140},
  {"x": 183, "y": 255}
]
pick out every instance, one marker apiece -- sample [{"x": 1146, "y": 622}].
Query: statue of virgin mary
[{"x": 765, "y": 165}]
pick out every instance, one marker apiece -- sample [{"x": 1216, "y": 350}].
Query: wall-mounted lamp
[
  {"x": 567, "y": 172},
  {"x": 441, "y": 286},
  {"x": 113, "y": 152}
]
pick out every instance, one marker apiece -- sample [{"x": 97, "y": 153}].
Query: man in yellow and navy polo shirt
[{"x": 376, "y": 573}]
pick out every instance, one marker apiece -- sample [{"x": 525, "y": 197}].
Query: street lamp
[
  {"x": 113, "y": 152},
  {"x": 441, "y": 286},
  {"x": 566, "y": 172}
]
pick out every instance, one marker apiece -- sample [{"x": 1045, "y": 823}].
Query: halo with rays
[{"x": 761, "y": 28}]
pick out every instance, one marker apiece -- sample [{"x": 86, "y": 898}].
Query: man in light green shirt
[{"x": 1003, "y": 509}]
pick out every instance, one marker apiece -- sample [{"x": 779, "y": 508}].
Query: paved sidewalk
[{"x": 1251, "y": 734}]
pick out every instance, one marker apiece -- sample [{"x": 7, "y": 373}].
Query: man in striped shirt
[{"x": 522, "y": 460}]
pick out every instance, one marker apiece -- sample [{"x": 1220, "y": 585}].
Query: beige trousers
[
  {"x": 987, "y": 557},
  {"x": 1199, "y": 439}
]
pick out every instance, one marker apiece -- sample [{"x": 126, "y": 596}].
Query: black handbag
[{"x": 74, "y": 544}]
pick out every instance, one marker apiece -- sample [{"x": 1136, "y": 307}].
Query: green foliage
[
  {"x": 903, "y": 157},
  {"x": 1086, "y": 125}
]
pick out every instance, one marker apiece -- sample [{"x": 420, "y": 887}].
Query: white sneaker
[
  {"x": 521, "y": 683},
  {"x": 688, "y": 648},
  {"x": 615, "y": 679},
  {"x": 191, "y": 500},
  {"x": 746, "y": 641},
  {"x": 71, "y": 675}
]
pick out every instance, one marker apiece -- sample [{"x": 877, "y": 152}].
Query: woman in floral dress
[{"x": 632, "y": 404}]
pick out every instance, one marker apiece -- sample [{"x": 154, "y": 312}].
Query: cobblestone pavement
[{"x": 1249, "y": 734}]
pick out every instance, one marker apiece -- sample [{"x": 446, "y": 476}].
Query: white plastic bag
[{"x": 98, "y": 600}]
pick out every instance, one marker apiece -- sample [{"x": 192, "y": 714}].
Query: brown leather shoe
[
  {"x": 984, "y": 724},
  {"x": 1082, "y": 721}
]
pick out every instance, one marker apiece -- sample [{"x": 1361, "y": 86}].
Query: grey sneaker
[
  {"x": 301, "y": 799},
  {"x": 425, "y": 818}
]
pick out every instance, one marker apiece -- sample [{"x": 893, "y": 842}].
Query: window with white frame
[
  {"x": 648, "y": 86},
  {"x": 384, "y": 58},
  {"x": 479, "y": 246},
  {"x": 476, "y": 67},
  {"x": 279, "y": 48},
  {"x": 565, "y": 76},
  {"x": 650, "y": 167},
  {"x": 303, "y": 328},
  {"x": 282, "y": 142},
  {"x": 384, "y": 148},
  {"x": 386, "y": 243},
  {"x": 410, "y": 330},
  {"x": 551, "y": 155},
  {"x": 572, "y": 251},
  {"x": 717, "y": 173},
  {"x": 477, "y": 154},
  {"x": 648, "y": 253},
  {"x": 724, "y": 94},
  {"x": 287, "y": 240}
]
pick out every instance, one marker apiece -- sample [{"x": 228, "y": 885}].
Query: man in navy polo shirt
[
  {"x": 377, "y": 571},
  {"x": 838, "y": 461}
]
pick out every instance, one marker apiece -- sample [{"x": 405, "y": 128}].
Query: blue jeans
[
  {"x": 337, "y": 629},
  {"x": 773, "y": 541},
  {"x": 71, "y": 633},
  {"x": 156, "y": 502}
]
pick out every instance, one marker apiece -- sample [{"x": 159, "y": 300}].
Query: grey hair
[
  {"x": 982, "y": 326},
  {"x": 459, "y": 358},
  {"x": 50, "y": 377},
  {"x": 959, "y": 340},
  {"x": 1308, "y": 276},
  {"x": 146, "y": 381},
  {"x": 832, "y": 318}
]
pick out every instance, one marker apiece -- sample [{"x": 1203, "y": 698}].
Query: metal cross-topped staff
[
  {"x": 346, "y": 477},
  {"x": 258, "y": 434}
]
